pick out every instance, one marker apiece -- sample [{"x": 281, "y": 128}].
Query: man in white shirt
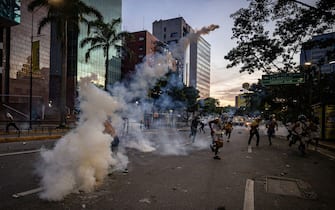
[{"x": 11, "y": 123}]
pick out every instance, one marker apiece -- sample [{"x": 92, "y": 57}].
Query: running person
[
  {"x": 216, "y": 127},
  {"x": 228, "y": 129}
]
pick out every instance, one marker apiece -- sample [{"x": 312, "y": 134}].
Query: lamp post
[
  {"x": 31, "y": 70},
  {"x": 31, "y": 67}
]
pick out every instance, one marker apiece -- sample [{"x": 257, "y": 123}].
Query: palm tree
[
  {"x": 103, "y": 36},
  {"x": 64, "y": 13}
]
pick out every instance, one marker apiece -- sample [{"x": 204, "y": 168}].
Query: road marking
[
  {"x": 249, "y": 149},
  {"x": 323, "y": 152},
  {"x": 249, "y": 195},
  {"x": 21, "y": 194},
  {"x": 19, "y": 153}
]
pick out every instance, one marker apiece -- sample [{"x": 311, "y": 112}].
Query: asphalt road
[{"x": 266, "y": 177}]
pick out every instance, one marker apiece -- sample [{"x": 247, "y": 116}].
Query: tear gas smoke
[
  {"x": 179, "y": 50},
  {"x": 81, "y": 159}
]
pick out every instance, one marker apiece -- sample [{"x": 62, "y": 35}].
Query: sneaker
[
  {"x": 227, "y": 140},
  {"x": 216, "y": 158}
]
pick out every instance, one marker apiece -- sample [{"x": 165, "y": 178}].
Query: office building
[
  {"x": 319, "y": 56},
  {"x": 193, "y": 59},
  {"x": 199, "y": 76},
  {"x": 23, "y": 50},
  {"x": 77, "y": 66},
  {"x": 110, "y": 10},
  {"x": 140, "y": 45}
]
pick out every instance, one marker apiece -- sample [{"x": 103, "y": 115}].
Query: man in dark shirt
[
  {"x": 194, "y": 127},
  {"x": 254, "y": 131}
]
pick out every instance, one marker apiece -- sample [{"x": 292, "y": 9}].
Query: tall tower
[
  {"x": 194, "y": 59},
  {"x": 77, "y": 66}
]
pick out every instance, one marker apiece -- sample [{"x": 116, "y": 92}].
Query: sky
[{"x": 225, "y": 83}]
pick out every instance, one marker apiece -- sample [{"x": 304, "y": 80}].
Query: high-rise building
[
  {"x": 110, "y": 10},
  {"x": 77, "y": 66},
  {"x": 200, "y": 67},
  {"x": 10, "y": 15},
  {"x": 319, "y": 56},
  {"x": 140, "y": 44},
  {"x": 25, "y": 55},
  {"x": 170, "y": 32},
  {"x": 193, "y": 59}
]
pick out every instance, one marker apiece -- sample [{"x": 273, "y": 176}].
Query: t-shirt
[{"x": 9, "y": 116}]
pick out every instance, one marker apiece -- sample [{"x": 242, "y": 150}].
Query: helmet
[{"x": 302, "y": 117}]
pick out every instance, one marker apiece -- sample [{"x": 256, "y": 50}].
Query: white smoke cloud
[{"x": 81, "y": 159}]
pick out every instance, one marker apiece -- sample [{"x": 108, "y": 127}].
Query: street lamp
[{"x": 31, "y": 68}]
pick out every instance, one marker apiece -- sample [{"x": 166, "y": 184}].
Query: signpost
[{"x": 283, "y": 79}]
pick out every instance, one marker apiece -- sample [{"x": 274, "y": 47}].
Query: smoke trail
[
  {"x": 179, "y": 50},
  {"x": 80, "y": 160}
]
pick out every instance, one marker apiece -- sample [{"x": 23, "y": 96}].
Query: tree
[
  {"x": 64, "y": 13},
  {"x": 293, "y": 23},
  {"x": 103, "y": 36},
  {"x": 210, "y": 105}
]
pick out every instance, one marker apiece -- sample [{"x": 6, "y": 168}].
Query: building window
[
  {"x": 164, "y": 29},
  {"x": 141, "y": 38},
  {"x": 164, "y": 36},
  {"x": 174, "y": 35}
]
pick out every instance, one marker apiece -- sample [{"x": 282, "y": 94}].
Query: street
[{"x": 261, "y": 178}]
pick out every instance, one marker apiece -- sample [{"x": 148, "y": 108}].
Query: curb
[
  {"x": 323, "y": 146},
  {"x": 28, "y": 138}
]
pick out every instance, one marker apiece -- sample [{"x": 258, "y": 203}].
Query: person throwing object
[{"x": 11, "y": 123}]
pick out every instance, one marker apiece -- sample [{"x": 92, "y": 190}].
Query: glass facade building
[
  {"x": 10, "y": 12},
  {"x": 24, "y": 51},
  {"x": 76, "y": 65},
  {"x": 317, "y": 54},
  {"x": 110, "y": 10}
]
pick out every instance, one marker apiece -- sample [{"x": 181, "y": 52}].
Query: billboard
[{"x": 36, "y": 56}]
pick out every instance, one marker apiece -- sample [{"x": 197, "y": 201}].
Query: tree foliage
[
  {"x": 103, "y": 36},
  {"x": 210, "y": 105},
  {"x": 269, "y": 33},
  {"x": 64, "y": 14}
]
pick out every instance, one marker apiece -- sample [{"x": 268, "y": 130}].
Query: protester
[
  {"x": 228, "y": 129},
  {"x": 116, "y": 140},
  {"x": 300, "y": 133},
  {"x": 202, "y": 126},
  {"x": 254, "y": 126},
  {"x": 11, "y": 123},
  {"x": 111, "y": 131},
  {"x": 194, "y": 127},
  {"x": 217, "y": 128},
  {"x": 271, "y": 126},
  {"x": 289, "y": 126}
]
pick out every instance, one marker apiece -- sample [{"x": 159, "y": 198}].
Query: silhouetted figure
[
  {"x": 194, "y": 127},
  {"x": 254, "y": 130},
  {"x": 11, "y": 123}
]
